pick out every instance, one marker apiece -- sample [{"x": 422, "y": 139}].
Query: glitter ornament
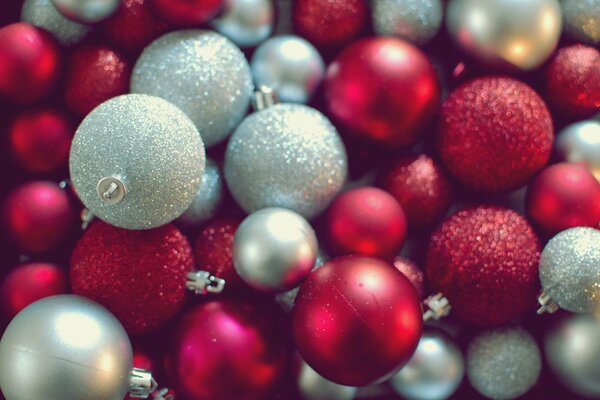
[
  {"x": 208, "y": 198},
  {"x": 287, "y": 155},
  {"x": 313, "y": 386},
  {"x": 187, "y": 12},
  {"x": 582, "y": 20},
  {"x": 202, "y": 73},
  {"x": 580, "y": 142},
  {"x": 43, "y": 14},
  {"x": 137, "y": 161},
  {"x": 417, "y": 21},
  {"x": 87, "y": 11},
  {"x": 495, "y": 134},
  {"x": 245, "y": 22},
  {"x": 412, "y": 272}
]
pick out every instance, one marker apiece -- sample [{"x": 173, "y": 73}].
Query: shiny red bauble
[
  {"x": 485, "y": 261},
  {"x": 382, "y": 89},
  {"x": 563, "y": 196},
  {"x": 495, "y": 134},
  {"x": 29, "y": 62},
  {"x": 226, "y": 350},
  {"x": 187, "y": 12},
  {"x": 356, "y": 320},
  {"x": 367, "y": 221}
]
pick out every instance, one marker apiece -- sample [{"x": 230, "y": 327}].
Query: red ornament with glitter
[
  {"x": 187, "y": 12},
  {"x": 485, "y": 261},
  {"x": 413, "y": 273},
  {"x": 495, "y": 134}
]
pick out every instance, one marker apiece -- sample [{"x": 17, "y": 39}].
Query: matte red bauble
[
  {"x": 356, "y": 320},
  {"x": 187, "y": 12}
]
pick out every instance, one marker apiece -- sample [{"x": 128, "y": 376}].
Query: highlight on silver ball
[
  {"x": 580, "y": 142},
  {"x": 87, "y": 11},
  {"x": 417, "y": 21},
  {"x": 43, "y": 14},
  {"x": 245, "y": 22}
]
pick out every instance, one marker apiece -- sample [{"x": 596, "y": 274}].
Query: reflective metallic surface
[
  {"x": 245, "y": 22},
  {"x": 313, "y": 386},
  {"x": 580, "y": 142},
  {"x": 87, "y": 11}
]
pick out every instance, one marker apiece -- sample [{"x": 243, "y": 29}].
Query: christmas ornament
[
  {"x": 123, "y": 165},
  {"x": 562, "y": 196},
  {"x": 495, "y": 134},
  {"x": 414, "y": 20},
  {"x": 30, "y": 62},
  {"x": 87, "y": 11},
  {"x": 422, "y": 188},
  {"x": 582, "y": 20},
  {"x": 366, "y": 221},
  {"x": 208, "y": 198},
  {"x": 245, "y": 22},
  {"x": 202, "y": 73},
  {"x": 412, "y": 272},
  {"x": 313, "y": 386},
  {"x": 503, "y": 33},
  {"x": 580, "y": 142},
  {"x": 287, "y": 155},
  {"x": 43, "y": 14},
  {"x": 485, "y": 261},
  {"x": 362, "y": 86},
  {"x": 356, "y": 320},
  {"x": 187, "y": 12},
  {"x": 503, "y": 363},
  {"x": 434, "y": 372},
  {"x": 290, "y": 66},
  {"x": 287, "y": 299}
]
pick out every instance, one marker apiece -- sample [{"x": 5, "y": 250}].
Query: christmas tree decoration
[
  {"x": 202, "y": 73},
  {"x": 417, "y": 21},
  {"x": 87, "y": 11},
  {"x": 313, "y": 386},
  {"x": 582, "y": 20},
  {"x": 495, "y": 134},
  {"x": 413, "y": 273},
  {"x": 287, "y": 155},
  {"x": 208, "y": 198},
  {"x": 580, "y": 142},
  {"x": 356, "y": 320},
  {"x": 188, "y": 13},
  {"x": 123, "y": 166},
  {"x": 245, "y": 22},
  {"x": 43, "y": 14}
]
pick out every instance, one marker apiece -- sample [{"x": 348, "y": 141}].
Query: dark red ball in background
[
  {"x": 187, "y": 12},
  {"x": 413, "y": 273}
]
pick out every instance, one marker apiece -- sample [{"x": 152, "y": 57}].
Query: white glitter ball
[
  {"x": 207, "y": 200},
  {"x": 582, "y": 20},
  {"x": 417, "y": 21},
  {"x": 43, "y": 14}
]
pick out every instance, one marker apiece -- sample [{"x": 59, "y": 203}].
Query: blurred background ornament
[
  {"x": 43, "y": 14},
  {"x": 417, "y": 21},
  {"x": 208, "y": 198},
  {"x": 580, "y": 142},
  {"x": 582, "y": 20},
  {"x": 413, "y": 273},
  {"x": 87, "y": 11},
  {"x": 313, "y": 386},
  {"x": 245, "y": 22},
  {"x": 187, "y": 13}
]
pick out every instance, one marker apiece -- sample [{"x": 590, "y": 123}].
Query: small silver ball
[
  {"x": 274, "y": 249},
  {"x": 580, "y": 142},
  {"x": 313, "y": 386},
  {"x": 288, "y": 155},
  {"x": 208, "y": 198},
  {"x": 434, "y": 372},
  {"x": 582, "y": 20},
  {"x": 417, "y": 21},
  {"x": 87, "y": 11},
  {"x": 289, "y": 65},
  {"x": 246, "y": 22},
  {"x": 43, "y": 14},
  {"x": 65, "y": 347},
  {"x": 570, "y": 269}
]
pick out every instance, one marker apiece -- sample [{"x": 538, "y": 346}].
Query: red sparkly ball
[
  {"x": 422, "y": 188},
  {"x": 485, "y": 261},
  {"x": 187, "y": 12},
  {"x": 413, "y": 273},
  {"x": 138, "y": 275},
  {"x": 367, "y": 221},
  {"x": 95, "y": 73},
  {"x": 495, "y": 134},
  {"x": 573, "y": 81},
  {"x": 563, "y": 196},
  {"x": 382, "y": 89},
  {"x": 356, "y": 320}
]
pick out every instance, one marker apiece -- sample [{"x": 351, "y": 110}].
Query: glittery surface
[
  {"x": 201, "y": 72},
  {"x": 503, "y": 363},
  {"x": 138, "y": 275},
  {"x": 288, "y": 155},
  {"x": 415, "y": 20},
  {"x": 495, "y": 134},
  {"x": 485, "y": 261},
  {"x": 207, "y": 200},
  {"x": 410, "y": 270},
  {"x": 152, "y": 146},
  {"x": 570, "y": 269},
  {"x": 582, "y": 20},
  {"x": 43, "y": 14}
]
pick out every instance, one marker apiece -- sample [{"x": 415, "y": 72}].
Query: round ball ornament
[
  {"x": 313, "y": 386},
  {"x": 43, "y": 14},
  {"x": 245, "y": 22},
  {"x": 413, "y": 273},
  {"x": 87, "y": 11},
  {"x": 208, "y": 198},
  {"x": 417, "y": 21},
  {"x": 187, "y": 12},
  {"x": 580, "y": 142},
  {"x": 122, "y": 164},
  {"x": 582, "y": 20}
]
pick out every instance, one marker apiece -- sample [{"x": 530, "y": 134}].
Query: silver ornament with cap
[
  {"x": 245, "y": 22},
  {"x": 43, "y": 14},
  {"x": 207, "y": 200},
  {"x": 417, "y": 21},
  {"x": 580, "y": 142},
  {"x": 87, "y": 11}
]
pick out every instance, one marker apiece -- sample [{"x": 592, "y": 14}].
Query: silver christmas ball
[
  {"x": 290, "y": 66},
  {"x": 208, "y": 198},
  {"x": 580, "y": 142},
  {"x": 582, "y": 20},
  {"x": 417, "y": 21},
  {"x": 65, "y": 347},
  {"x": 434, "y": 372},
  {"x": 87, "y": 11},
  {"x": 287, "y": 155},
  {"x": 570, "y": 269},
  {"x": 274, "y": 249},
  {"x": 245, "y": 22},
  {"x": 137, "y": 161},
  {"x": 202, "y": 73},
  {"x": 517, "y": 33},
  {"x": 313, "y": 386},
  {"x": 43, "y": 14},
  {"x": 287, "y": 299}
]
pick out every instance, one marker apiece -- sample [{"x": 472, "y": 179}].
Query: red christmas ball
[
  {"x": 422, "y": 188},
  {"x": 138, "y": 275},
  {"x": 413, "y": 273},
  {"x": 485, "y": 261},
  {"x": 225, "y": 350},
  {"x": 495, "y": 134},
  {"x": 382, "y": 89},
  {"x": 29, "y": 62},
  {"x": 367, "y": 221},
  {"x": 563, "y": 196},
  {"x": 187, "y": 12},
  {"x": 356, "y": 320}
]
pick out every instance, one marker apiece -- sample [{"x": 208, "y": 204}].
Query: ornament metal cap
[
  {"x": 111, "y": 189},
  {"x": 264, "y": 97},
  {"x": 547, "y": 305},
  {"x": 437, "y": 306},
  {"x": 141, "y": 384},
  {"x": 202, "y": 282}
]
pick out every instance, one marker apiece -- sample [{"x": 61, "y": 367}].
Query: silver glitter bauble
[
  {"x": 313, "y": 386},
  {"x": 87, "y": 11},
  {"x": 501, "y": 33},
  {"x": 580, "y": 142},
  {"x": 245, "y": 22},
  {"x": 503, "y": 363},
  {"x": 150, "y": 154},
  {"x": 287, "y": 299},
  {"x": 290, "y": 66},
  {"x": 65, "y": 347},
  {"x": 201, "y": 72},
  {"x": 287, "y": 155},
  {"x": 434, "y": 372},
  {"x": 582, "y": 20},
  {"x": 208, "y": 198},
  {"x": 570, "y": 269},
  {"x": 43, "y": 14},
  {"x": 274, "y": 249},
  {"x": 417, "y": 21}
]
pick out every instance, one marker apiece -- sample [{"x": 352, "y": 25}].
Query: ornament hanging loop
[
  {"x": 163, "y": 394},
  {"x": 264, "y": 97},
  {"x": 111, "y": 189},
  {"x": 547, "y": 305},
  {"x": 141, "y": 384},
  {"x": 202, "y": 282},
  {"x": 437, "y": 306}
]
